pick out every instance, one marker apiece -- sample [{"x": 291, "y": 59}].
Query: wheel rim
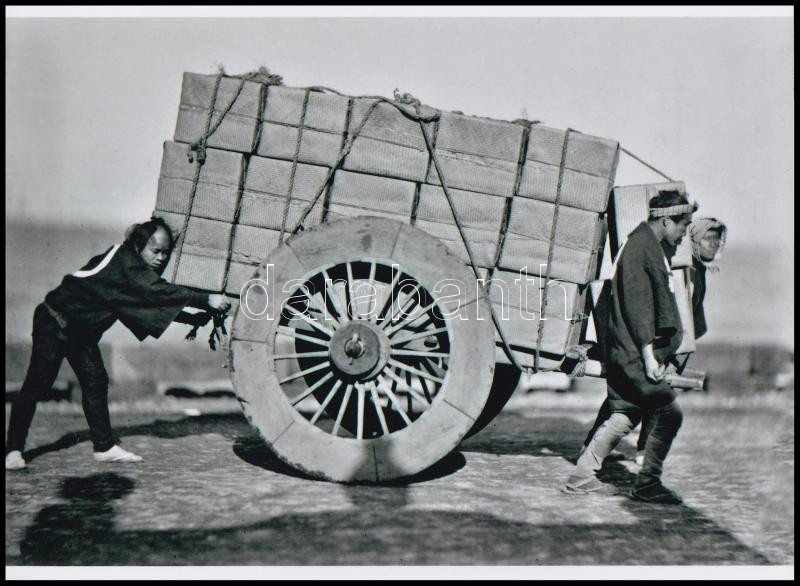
[
  {"x": 401, "y": 448},
  {"x": 372, "y": 363}
]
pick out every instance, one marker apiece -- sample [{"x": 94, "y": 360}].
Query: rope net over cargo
[{"x": 295, "y": 215}]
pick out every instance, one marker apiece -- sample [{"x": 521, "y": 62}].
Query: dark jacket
[
  {"x": 698, "y": 294},
  {"x": 118, "y": 285},
  {"x": 642, "y": 305}
]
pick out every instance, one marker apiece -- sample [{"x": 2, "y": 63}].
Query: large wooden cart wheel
[{"x": 362, "y": 350}]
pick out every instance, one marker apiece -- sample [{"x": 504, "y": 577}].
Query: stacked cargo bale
[
  {"x": 273, "y": 149},
  {"x": 631, "y": 205}
]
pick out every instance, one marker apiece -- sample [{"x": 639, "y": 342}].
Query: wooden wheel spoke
[
  {"x": 312, "y": 322},
  {"x": 426, "y": 364},
  {"x": 412, "y": 370},
  {"x": 396, "y": 402},
  {"x": 352, "y": 310},
  {"x": 373, "y": 390},
  {"x": 407, "y": 322},
  {"x": 320, "y": 354},
  {"x": 327, "y": 314},
  {"x": 360, "y": 413},
  {"x": 388, "y": 304},
  {"x": 297, "y": 375},
  {"x": 423, "y": 334},
  {"x": 312, "y": 388},
  {"x": 312, "y": 304},
  {"x": 292, "y": 333},
  {"x": 327, "y": 400},
  {"x": 348, "y": 390},
  {"x": 425, "y": 389},
  {"x": 409, "y": 301},
  {"x": 334, "y": 298},
  {"x": 420, "y": 353},
  {"x": 402, "y": 384}
]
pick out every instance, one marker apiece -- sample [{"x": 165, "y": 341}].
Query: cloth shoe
[
  {"x": 116, "y": 454},
  {"x": 588, "y": 485},
  {"x": 656, "y": 493},
  {"x": 15, "y": 461}
]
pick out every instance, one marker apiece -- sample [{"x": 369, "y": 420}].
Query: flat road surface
[{"x": 210, "y": 493}]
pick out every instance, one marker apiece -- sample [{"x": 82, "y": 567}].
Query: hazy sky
[{"x": 708, "y": 100}]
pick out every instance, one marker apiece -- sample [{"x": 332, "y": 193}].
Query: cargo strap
[
  {"x": 421, "y": 119},
  {"x": 417, "y": 116},
  {"x": 200, "y": 148},
  {"x": 648, "y": 165},
  {"x": 265, "y": 78},
  {"x": 551, "y": 247},
  {"x": 293, "y": 172}
]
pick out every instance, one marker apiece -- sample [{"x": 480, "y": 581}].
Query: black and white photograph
[{"x": 399, "y": 292}]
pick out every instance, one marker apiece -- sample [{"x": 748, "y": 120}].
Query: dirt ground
[{"x": 210, "y": 493}]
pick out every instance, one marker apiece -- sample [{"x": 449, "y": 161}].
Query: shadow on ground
[{"x": 380, "y": 528}]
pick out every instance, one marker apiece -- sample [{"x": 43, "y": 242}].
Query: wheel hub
[{"x": 359, "y": 349}]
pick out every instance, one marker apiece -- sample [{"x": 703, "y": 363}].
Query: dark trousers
[
  {"x": 51, "y": 344},
  {"x": 605, "y": 413},
  {"x": 632, "y": 398},
  {"x": 666, "y": 421}
]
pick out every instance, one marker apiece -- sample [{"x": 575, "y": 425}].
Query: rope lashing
[
  {"x": 580, "y": 353},
  {"x": 472, "y": 264},
  {"x": 263, "y": 77},
  {"x": 293, "y": 172},
  {"x": 501, "y": 238},
  {"x": 551, "y": 247},
  {"x": 349, "y": 145},
  {"x": 200, "y": 148},
  {"x": 403, "y": 103},
  {"x": 420, "y": 119},
  {"x": 646, "y": 164}
]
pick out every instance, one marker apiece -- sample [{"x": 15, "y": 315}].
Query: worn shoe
[
  {"x": 15, "y": 461},
  {"x": 116, "y": 454},
  {"x": 588, "y": 485},
  {"x": 656, "y": 493}
]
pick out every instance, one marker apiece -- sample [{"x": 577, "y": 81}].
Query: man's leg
[
  {"x": 602, "y": 416},
  {"x": 87, "y": 362},
  {"x": 609, "y": 434},
  {"x": 647, "y": 428},
  {"x": 49, "y": 346},
  {"x": 584, "y": 480},
  {"x": 667, "y": 421}
]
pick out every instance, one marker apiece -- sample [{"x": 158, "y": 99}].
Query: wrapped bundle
[
  {"x": 272, "y": 153},
  {"x": 202, "y": 260},
  {"x": 266, "y": 190},
  {"x": 389, "y": 144},
  {"x": 477, "y": 154},
  {"x": 237, "y": 131},
  {"x": 323, "y": 125},
  {"x": 518, "y": 300},
  {"x": 680, "y": 280},
  {"x": 631, "y": 208},
  {"x": 480, "y": 215},
  {"x": 217, "y": 189},
  {"x": 589, "y": 168},
  {"x": 358, "y": 194}
]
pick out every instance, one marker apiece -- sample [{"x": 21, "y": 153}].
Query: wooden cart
[{"x": 384, "y": 256}]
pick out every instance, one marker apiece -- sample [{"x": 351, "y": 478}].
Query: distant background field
[{"x": 751, "y": 319}]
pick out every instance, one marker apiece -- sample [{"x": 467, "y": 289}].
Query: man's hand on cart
[{"x": 219, "y": 302}]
